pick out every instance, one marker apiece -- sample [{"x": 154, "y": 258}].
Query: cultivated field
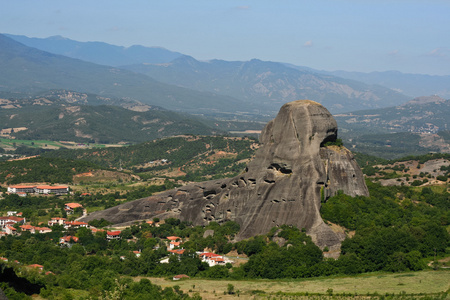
[{"x": 423, "y": 282}]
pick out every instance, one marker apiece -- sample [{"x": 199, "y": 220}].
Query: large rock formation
[{"x": 284, "y": 184}]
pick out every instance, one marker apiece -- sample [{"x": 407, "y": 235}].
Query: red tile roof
[
  {"x": 117, "y": 232},
  {"x": 177, "y": 251},
  {"x": 209, "y": 254},
  {"x": 216, "y": 259},
  {"x": 75, "y": 223},
  {"x": 36, "y": 266},
  {"x": 42, "y": 228},
  {"x": 26, "y": 227},
  {"x": 68, "y": 238},
  {"x": 12, "y": 218},
  {"x": 22, "y": 186},
  {"x": 173, "y": 238},
  {"x": 73, "y": 205},
  {"x": 51, "y": 187}
]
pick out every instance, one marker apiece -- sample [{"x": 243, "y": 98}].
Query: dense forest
[
  {"x": 42, "y": 169},
  {"x": 177, "y": 150}
]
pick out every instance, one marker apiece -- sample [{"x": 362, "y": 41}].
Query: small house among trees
[{"x": 70, "y": 207}]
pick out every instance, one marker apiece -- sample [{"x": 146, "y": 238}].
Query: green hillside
[
  {"x": 196, "y": 157},
  {"x": 98, "y": 124}
]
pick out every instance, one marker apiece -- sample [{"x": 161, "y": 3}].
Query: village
[{"x": 15, "y": 224}]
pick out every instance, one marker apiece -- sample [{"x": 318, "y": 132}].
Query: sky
[{"x": 411, "y": 36}]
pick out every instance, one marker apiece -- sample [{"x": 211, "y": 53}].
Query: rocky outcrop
[{"x": 292, "y": 173}]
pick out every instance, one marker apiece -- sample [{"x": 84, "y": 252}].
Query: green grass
[
  {"x": 94, "y": 208},
  {"x": 41, "y": 144},
  {"x": 28, "y": 143}
]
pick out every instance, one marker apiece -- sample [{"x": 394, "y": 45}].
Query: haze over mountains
[
  {"x": 254, "y": 86},
  {"x": 413, "y": 85},
  {"x": 149, "y": 81},
  {"x": 26, "y": 69},
  {"x": 98, "y": 52}
]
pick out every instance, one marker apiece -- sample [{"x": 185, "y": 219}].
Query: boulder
[{"x": 292, "y": 173}]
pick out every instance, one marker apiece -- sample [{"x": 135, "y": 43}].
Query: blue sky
[{"x": 353, "y": 35}]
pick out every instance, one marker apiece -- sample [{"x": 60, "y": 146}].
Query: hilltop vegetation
[
  {"x": 41, "y": 169},
  {"x": 194, "y": 157},
  {"x": 98, "y": 124}
]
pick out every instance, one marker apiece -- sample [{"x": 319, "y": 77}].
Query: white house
[
  {"x": 56, "y": 221},
  {"x": 14, "y": 189},
  {"x": 48, "y": 189},
  {"x": 70, "y": 207},
  {"x": 11, "y": 220},
  {"x": 212, "y": 259}
]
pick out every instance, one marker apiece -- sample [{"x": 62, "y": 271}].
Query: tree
[{"x": 230, "y": 289}]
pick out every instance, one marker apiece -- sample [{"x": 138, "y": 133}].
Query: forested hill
[
  {"x": 194, "y": 157},
  {"x": 98, "y": 124}
]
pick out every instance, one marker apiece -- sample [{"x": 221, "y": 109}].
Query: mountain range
[
  {"x": 412, "y": 85},
  {"x": 98, "y": 52},
  {"x": 269, "y": 85},
  {"x": 184, "y": 83},
  {"x": 59, "y": 97},
  {"x": 26, "y": 69}
]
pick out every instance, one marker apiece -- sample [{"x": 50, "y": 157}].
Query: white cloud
[
  {"x": 393, "y": 53},
  {"x": 439, "y": 52},
  {"x": 308, "y": 44}
]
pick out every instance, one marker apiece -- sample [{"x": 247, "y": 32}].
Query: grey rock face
[{"x": 291, "y": 174}]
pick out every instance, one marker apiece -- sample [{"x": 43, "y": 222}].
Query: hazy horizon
[{"x": 348, "y": 35}]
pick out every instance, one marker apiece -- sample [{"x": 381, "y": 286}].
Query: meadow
[{"x": 412, "y": 284}]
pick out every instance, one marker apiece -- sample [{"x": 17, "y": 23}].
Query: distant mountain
[
  {"x": 98, "y": 52},
  {"x": 65, "y": 116},
  {"x": 264, "y": 86},
  {"x": 268, "y": 85},
  {"x": 416, "y": 127},
  {"x": 26, "y": 69},
  {"x": 66, "y": 97},
  {"x": 421, "y": 115},
  {"x": 413, "y": 85}
]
